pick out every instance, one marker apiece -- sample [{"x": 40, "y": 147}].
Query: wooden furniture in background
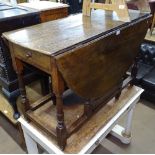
[
  {"x": 48, "y": 10},
  {"x": 89, "y": 55},
  {"x": 11, "y": 18},
  {"x": 119, "y": 6}
]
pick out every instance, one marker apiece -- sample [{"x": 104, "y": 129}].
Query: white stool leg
[
  {"x": 30, "y": 143},
  {"x": 124, "y": 134},
  {"x": 128, "y": 126}
]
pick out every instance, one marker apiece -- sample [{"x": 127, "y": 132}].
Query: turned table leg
[
  {"x": 61, "y": 128},
  {"x": 24, "y": 101},
  {"x": 58, "y": 89},
  {"x": 134, "y": 70},
  {"x": 118, "y": 94}
]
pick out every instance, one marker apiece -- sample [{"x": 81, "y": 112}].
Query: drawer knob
[{"x": 29, "y": 55}]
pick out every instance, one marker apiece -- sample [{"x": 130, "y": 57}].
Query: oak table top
[
  {"x": 52, "y": 37},
  {"x": 80, "y": 44}
]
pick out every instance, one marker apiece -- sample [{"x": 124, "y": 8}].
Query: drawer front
[{"x": 33, "y": 58}]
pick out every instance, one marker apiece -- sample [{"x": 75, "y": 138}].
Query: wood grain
[
  {"x": 102, "y": 63},
  {"x": 52, "y": 37}
]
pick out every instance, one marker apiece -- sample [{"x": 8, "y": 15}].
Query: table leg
[
  {"x": 19, "y": 70},
  {"x": 124, "y": 134},
  {"x": 134, "y": 71},
  {"x": 128, "y": 125},
  {"x": 118, "y": 94},
  {"x": 31, "y": 145},
  {"x": 58, "y": 89}
]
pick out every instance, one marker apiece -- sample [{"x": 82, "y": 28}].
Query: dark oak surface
[
  {"x": 73, "y": 42},
  {"x": 67, "y": 32}
]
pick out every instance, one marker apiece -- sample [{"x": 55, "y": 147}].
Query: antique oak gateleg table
[{"x": 88, "y": 55}]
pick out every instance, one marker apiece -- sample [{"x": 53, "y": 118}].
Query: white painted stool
[{"x": 33, "y": 135}]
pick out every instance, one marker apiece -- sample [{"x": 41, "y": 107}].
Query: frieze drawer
[{"x": 34, "y": 58}]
